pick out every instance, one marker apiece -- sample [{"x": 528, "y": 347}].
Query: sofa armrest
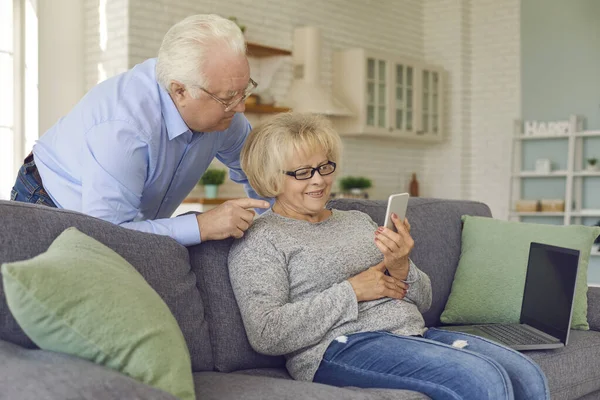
[
  {"x": 593, "y": 298},
  {"x": 43, "y": 375}
]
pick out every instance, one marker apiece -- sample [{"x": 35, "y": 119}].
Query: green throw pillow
[
  {"x": 83, "y": 299},
  {"x": 489, "y": 281}
]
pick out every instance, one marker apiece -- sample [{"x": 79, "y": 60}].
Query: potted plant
[
  {"x": 211, "y": 180},
  {"x": 355, "y": 184},
  {"x": 592, "y": 164}
]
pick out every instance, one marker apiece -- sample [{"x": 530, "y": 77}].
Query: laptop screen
[{"x": 549, "y": 289}]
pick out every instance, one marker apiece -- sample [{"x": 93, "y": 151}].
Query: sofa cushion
[
  {"x": 574, "y": 370},
  {"x": 29, "y": 229},
  {"x": 436, "y": 229},
  {"x": 231, "y": 349},
  {"x": 70, "y": 299},
  {"x": 593, "y": 297},
  {"x": 219, "y": 386},
  {"x": 489, "y": 281},
  {"x": 44, "y": 375}
]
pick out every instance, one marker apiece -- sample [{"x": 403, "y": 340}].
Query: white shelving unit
[{"x": 573, "y": 176}]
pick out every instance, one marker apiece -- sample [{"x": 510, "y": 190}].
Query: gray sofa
[{"x": 194, "y": 284}]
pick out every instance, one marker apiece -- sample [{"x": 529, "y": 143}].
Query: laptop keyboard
[{"x": 514, "y": 334}]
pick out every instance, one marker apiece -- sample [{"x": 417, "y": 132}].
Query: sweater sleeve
[
  {"x": 419, "y": 290},
  {"x": 274, "y": 325}
]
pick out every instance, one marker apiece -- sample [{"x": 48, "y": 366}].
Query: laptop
[{"x": 547, "y": 305}]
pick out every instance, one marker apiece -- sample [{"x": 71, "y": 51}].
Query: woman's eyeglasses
[{"x": 307, "y": 173}]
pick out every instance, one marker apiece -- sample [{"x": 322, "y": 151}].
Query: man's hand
[{"x": 230, "y": 219}]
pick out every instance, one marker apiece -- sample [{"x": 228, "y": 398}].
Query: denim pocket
[
  {"x": 44, "y": 201},
  {"x": 13, "y": 195}
]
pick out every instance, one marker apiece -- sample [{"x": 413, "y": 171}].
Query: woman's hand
[
  {"x": 396, "y": 247},
  {"x": 373, "y": 284}
]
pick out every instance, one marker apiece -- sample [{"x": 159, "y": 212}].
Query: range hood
[{"x": 306, "y": 94}]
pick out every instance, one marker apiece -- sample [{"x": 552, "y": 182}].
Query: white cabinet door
[
  {"x": 377, "y": 109},
  {"x": 429, "y": 124},
  {"x": 403, "y": 99}
]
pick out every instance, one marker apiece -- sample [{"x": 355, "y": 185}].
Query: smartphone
[{"x": 397, "y": 203}]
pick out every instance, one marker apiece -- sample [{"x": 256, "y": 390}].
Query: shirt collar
[{"x": 175, "y": 124}]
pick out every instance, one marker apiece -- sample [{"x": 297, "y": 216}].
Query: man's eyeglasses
[
  {"x": 230, "y": 105},
  {"x": 303, "y": 174}
]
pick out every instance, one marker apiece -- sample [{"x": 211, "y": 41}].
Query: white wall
[
  {"x": 61, "y": 59},
  {"x": 448, "y": 43},
  {"x": 496, "y": 99},
  {"x": 106, "y": 38},
  {"x": 477, "y": 42}
]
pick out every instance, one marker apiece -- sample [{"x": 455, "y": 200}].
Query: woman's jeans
[
  {"x": 480, "y": 370},
  {"x": 28, "y": 186}
]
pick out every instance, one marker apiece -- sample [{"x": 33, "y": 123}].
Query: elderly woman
[{"x": 338, "y": 296}]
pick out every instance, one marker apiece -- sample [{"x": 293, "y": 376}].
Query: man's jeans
[
  {"x": 480, "y": 370},
  {"x": 28, "y": 186}
]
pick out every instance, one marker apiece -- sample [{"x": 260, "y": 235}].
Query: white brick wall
[
  {"x": 105, "y": 58},
  {"x": 477, "y": 42},
  {"x": 447, "y": 39},
  {"x": 496, "y": 103}
]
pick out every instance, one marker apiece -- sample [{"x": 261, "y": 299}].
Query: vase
[
  {"x": 210, "y": 191},
  {"x": 413, "y": 189}
]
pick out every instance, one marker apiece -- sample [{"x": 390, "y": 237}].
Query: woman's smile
[{"x": 316, "y": 194}]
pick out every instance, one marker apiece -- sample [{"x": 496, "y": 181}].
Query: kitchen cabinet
[{"x": 390, "y": 96}]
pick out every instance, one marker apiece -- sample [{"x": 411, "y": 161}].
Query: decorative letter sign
[{"x": 535, "y": 128}]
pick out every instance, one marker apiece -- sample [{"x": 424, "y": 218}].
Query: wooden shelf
[
  {"x": 264, "y": 109},
  {"x": 259, "y": 51}
]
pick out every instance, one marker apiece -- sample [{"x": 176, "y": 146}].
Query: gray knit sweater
[{"x": 290, "y": 279}]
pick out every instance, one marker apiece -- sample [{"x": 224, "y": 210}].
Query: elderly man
[{"x": 135, "y": 145}]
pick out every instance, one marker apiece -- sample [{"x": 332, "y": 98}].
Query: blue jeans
[
  {"x": 431, "y": 365},
  {"x": 28, "y": 186}
]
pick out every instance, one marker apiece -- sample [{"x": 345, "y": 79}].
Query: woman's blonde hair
[{"x": 271, "y": 145}]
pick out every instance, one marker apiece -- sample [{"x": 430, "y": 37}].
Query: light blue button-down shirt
[{"x": 125, "y": 155}]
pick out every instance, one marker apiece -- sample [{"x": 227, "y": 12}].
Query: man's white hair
[{"x": 182, "y": 53}]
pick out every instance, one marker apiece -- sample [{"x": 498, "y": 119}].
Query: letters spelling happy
[{"x": 535, "y": 128}]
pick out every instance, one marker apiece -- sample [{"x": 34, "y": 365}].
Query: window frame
[
  {"x": 18, "y": 53},
  {"x": 19, "y": 12}
]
